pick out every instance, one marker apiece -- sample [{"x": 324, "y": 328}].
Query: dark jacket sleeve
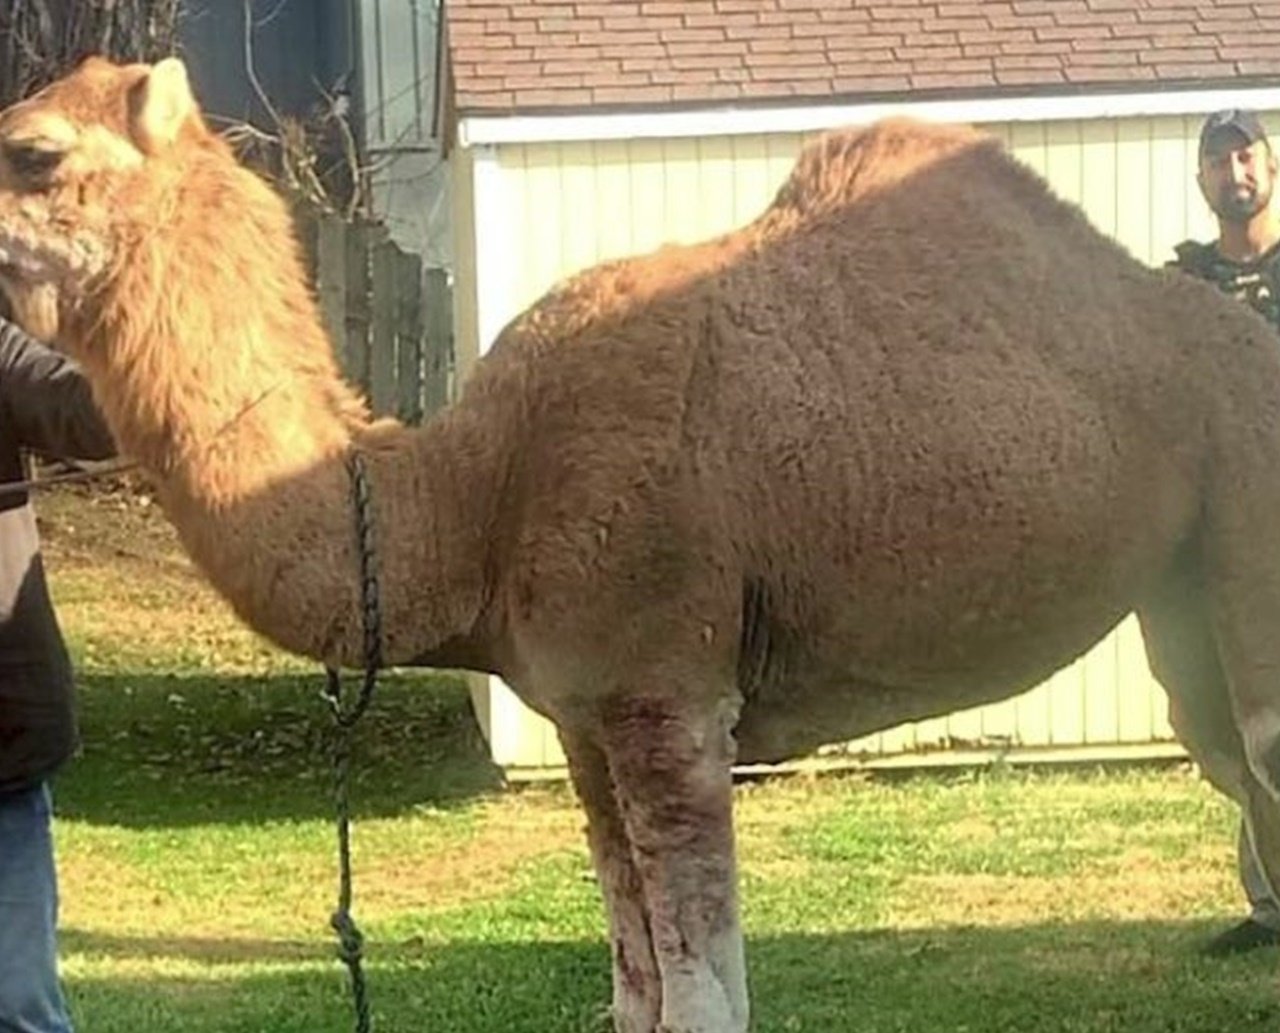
[{"x": 47, "y": 400}]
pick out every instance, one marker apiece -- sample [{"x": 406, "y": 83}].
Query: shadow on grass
[
  {"x": 161, "y": 751},
  {"x": 1083, "y": 978},
  {"x": 205, "y": 950}
]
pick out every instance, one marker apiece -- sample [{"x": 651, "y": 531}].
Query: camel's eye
[{"x": 33, "y": 161}]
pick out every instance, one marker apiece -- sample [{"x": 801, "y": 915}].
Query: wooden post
[
  {"x": 305, "y": 227},
  {"x": 356, "y": 297},
  {"x": 437, "y": 365},
  {"x": 331, "y": 280},
  {"x": 382, "y": 341},
  {"x": 409, "y": 329}
]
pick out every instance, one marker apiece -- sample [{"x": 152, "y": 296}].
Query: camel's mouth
[
  {"x": 21, "y": 265},
  {"x": 36, "y": 253},
  {"x": 46, "y": 267}
]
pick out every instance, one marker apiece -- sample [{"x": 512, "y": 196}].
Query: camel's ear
[{"x": 159, "y": 103}]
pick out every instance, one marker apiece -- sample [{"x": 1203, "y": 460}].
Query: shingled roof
[{"x": 529, "y": 56}]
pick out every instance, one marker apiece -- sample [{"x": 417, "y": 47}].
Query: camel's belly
[
  {"x": 855, "y": 681},
  {"x": 942, "y": 585}
]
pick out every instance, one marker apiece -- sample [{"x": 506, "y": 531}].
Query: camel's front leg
[
  {"x": 637, "y": 986},
  {"x": 670, "y": 766}
]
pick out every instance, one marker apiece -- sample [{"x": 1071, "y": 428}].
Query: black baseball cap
[{"x": 1244, "y": 124}]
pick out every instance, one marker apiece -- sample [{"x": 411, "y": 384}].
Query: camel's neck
[
  {"x": 226, "y": 391},
  {"x": 263, "y": 501}
]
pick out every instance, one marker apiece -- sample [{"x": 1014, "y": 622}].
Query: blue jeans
[{"x": 30, "y": 998}]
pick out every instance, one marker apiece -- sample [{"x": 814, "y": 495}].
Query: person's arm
[{"x": 47, "y": 400}]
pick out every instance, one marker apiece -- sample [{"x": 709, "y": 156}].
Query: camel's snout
[{"x": 41, "y": 266}]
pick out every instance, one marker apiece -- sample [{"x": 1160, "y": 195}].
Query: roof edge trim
[{"x": 567, "y": 127}]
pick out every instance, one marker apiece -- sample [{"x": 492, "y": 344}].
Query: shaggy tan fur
[{"x": 908, "y": 442}]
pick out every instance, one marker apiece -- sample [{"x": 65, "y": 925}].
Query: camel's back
[{"x": 901, "y": 268}]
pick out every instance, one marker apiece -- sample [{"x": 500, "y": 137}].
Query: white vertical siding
[
  {"x": 576, "y": 204},
  {"x": 587, "y": 202}
]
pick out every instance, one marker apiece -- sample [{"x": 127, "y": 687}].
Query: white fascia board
[{"x": 736, "y": 121}]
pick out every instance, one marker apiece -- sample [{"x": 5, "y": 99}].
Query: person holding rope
[{"x": 45, "y": 406}]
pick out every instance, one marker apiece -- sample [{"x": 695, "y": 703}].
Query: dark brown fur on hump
[
  {"x": 837, "y": 169},
  {"x": 845, "y": 166}
]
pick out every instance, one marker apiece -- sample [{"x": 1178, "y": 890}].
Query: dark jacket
[
  {"x": 1255, "y": 282},
  {"x": 45, "y": 406}
]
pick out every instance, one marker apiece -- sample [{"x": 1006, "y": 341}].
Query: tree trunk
[{"x": 41, "y": 40}]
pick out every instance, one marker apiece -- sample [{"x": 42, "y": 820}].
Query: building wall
[{"x": 552, "y": 209}]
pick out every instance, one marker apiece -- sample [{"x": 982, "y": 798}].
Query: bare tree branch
[
  {"x": 316, "y": 158},
  {"x": 250, "y": 67}
]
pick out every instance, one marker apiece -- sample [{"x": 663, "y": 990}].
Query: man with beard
[
  {"x": 1236, "y": 175},
  {"x": 1237, "y": 171}
]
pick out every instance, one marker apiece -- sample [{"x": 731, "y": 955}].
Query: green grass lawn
[{"x": 197, "y": 855}]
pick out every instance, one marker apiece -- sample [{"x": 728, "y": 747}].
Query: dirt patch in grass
[
  {"x": 91, "y": 884},
  {"x": 1138, "y": 889},
  {"x": 127, "y": 595},
  {"x": 116, "y": 523},
  {"x": 509, "y": 834}
]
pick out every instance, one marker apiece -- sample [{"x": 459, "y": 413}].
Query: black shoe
[{"x": 1246, "y": 936}]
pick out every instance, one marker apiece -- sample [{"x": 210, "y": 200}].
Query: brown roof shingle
[{"x": 530, "y": 55}]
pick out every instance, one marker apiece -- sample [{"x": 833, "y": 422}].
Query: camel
[{"x": 911, "y": 440}]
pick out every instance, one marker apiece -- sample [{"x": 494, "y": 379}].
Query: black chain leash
[{"x": 351, "y": 940}]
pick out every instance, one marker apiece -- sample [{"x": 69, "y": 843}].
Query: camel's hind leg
[
  {"x": 637, "y": 985},
  {"x": 1199, "y": 656},
  {"x": 671, "y": 769}
]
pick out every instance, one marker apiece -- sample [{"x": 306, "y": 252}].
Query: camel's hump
[
  {"x": 836, "y": 169},
  {"x": 844, "y": 165}
]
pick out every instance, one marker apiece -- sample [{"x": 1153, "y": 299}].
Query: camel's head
[{"x": 79, "y": 164}]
